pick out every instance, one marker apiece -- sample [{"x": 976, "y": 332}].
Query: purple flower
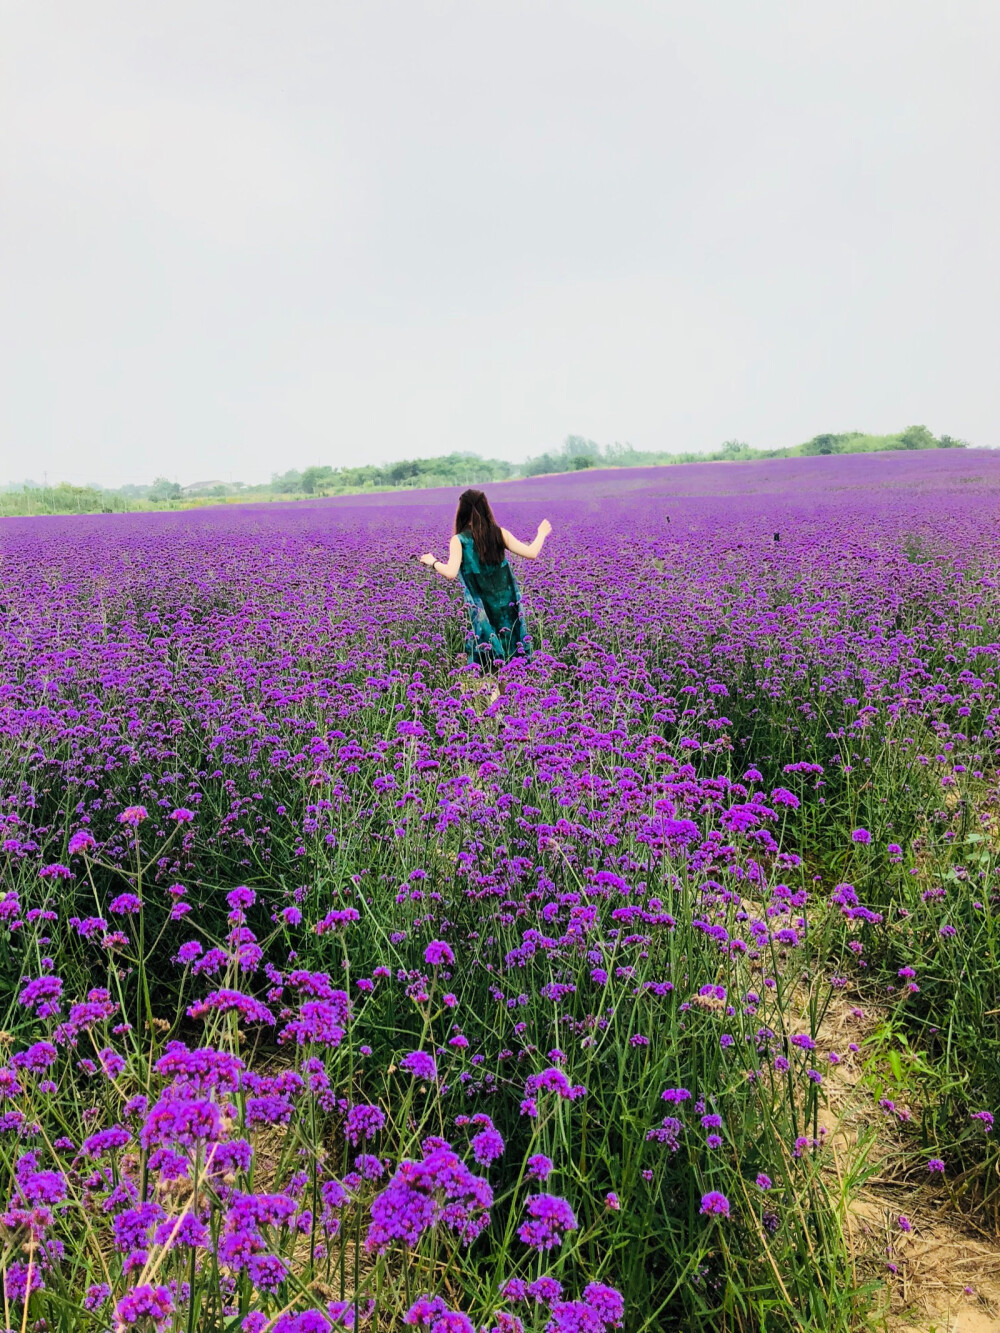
[
  {"x": 232, "y": 1001},
  {"x": 55, "y": 871},
  {"x": 267, "y": 1271},
  {"x": 714, "y": 1204},
  {"x": 177, "y": 1120},
  {"x": 105, "y": 1141},
  {"x": 133, "y": 815},
  {"x": 440, "y": 1189},
  {"x": 539, "y": 1166},
  {"x": 861, "y": 835},
  {"x": 420, "y": 1065},
  {"x": 607, "y": 1301},
  {"x": 42, "y": 994},
  {"x": 544, "y": 1290},
  {"x": 96, "y": 1295},
  {"x": 487, "y": 1146},
  {"x": 432, "y": 1313},
  {"x": 549, "y": 1080},
  {"x": 337, "y": 918},
  {"x": 675, "y": 1095},
  {"x": 145, "y": 1302},
  {"x": 935, "y": 1164},
  {"x": 318, "y": 1024},
  {"x": 125, "y": 905},
  {"x": 363, "y": 1122},
  {"x": 438, "y": 954},
  {"x": 549, "y": 1218}
]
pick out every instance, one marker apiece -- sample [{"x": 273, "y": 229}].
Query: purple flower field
[{"x": 342, "y": 994}]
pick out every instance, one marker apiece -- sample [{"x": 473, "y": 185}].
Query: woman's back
[
  {"x": 492, "y": 585},
  {"x": 477, "y": 558}
]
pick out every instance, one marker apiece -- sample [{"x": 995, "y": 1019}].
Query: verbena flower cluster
[{"x": 345, "y": 992}]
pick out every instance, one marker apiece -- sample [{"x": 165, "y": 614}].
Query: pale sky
[{"x": 242, "y": 237}]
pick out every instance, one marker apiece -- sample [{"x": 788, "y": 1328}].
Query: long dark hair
[{"x": 474, "y": 513}]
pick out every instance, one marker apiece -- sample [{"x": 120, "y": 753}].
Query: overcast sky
[{"x": 242, "y": 237}]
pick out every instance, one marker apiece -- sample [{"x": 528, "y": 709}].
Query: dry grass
[{"x": 947, "y": 1277}]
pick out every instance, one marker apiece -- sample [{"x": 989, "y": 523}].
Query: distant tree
[
  {"x": 734, "y": 449},
  {"x": 314, "y": 478},
  {"x": 286, "y": 483},
  {"x": 822, "y": 444},
  {"x": 542, "y": 463},
  {"x": 576, "y": 446},
  {"x": 918, "y": 437},
  {"x": 949, "y": 442},
  {"x": 162, "y": 489}
]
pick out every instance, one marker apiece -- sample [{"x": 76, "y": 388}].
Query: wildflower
[
  {"x": 266, "y": 1271},
  {"x": 607, "y": 1301},
  {"x": 487, "y": 1146},
  {"x": 432, "y": 1313},
  {"x": 145, "y": 1302},
  {"x": 42, "y": 994},
  {"x": 861, "y": 835},
  {"x": 232, "y": 1001},
  {"x": 125, "y": 905},
  {"x": 549, "y": 1218},
  {"x": 782, "y": 796},
  {"x": 903, "y": 1222},
  {"x": 438, "y": 1189},
  {"x": 714, "y": 1204},
  {"x": 133, "y": 815},
  {"x": 545, "y": 1290},
  {"x": 96, "y": 1295},
  {"x": 105, "y": 1141},
  {"x": 551, "y": 1080},
  {"x": 539, "y": 1166},
  {"x": 438, "y": 954},
  {"x": 56, "y": 871},
  {"x": 175, "y": 1120},
  {"x": 763, "y": 1181},
  {"x": 420, "y": 1065},
  {"x": 338, "y": 917},
  {"x": 317, "y": 1024},
  {"x": 935, "y": 1164}
]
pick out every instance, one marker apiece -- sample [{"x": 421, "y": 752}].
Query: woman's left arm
[{"x": 449, "y": 570}]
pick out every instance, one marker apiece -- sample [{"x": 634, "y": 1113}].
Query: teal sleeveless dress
[{"x": 497, "y": 628}]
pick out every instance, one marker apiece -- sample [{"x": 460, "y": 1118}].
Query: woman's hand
[
  {"x": 544, "y": 528},
  {"x": 428, "y": 559}
]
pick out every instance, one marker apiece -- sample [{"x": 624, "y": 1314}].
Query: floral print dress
[{"x": 497, "y": 629}]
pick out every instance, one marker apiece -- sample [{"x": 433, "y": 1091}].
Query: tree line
[{"x": 454, "y": 469}]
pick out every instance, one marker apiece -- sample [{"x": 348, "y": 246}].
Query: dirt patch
[{"x": 943, "y": 1274}]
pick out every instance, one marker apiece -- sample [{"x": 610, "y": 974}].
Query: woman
[{"x": 478, "y": 555}]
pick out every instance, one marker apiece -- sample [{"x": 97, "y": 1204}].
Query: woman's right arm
[{"x": 531, "y": 551}]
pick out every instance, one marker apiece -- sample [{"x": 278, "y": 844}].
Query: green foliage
[
  {"x": 61, "y": 499},
  {"x": 162, "y": 489},
  {"x": 455, "y": 469}
]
